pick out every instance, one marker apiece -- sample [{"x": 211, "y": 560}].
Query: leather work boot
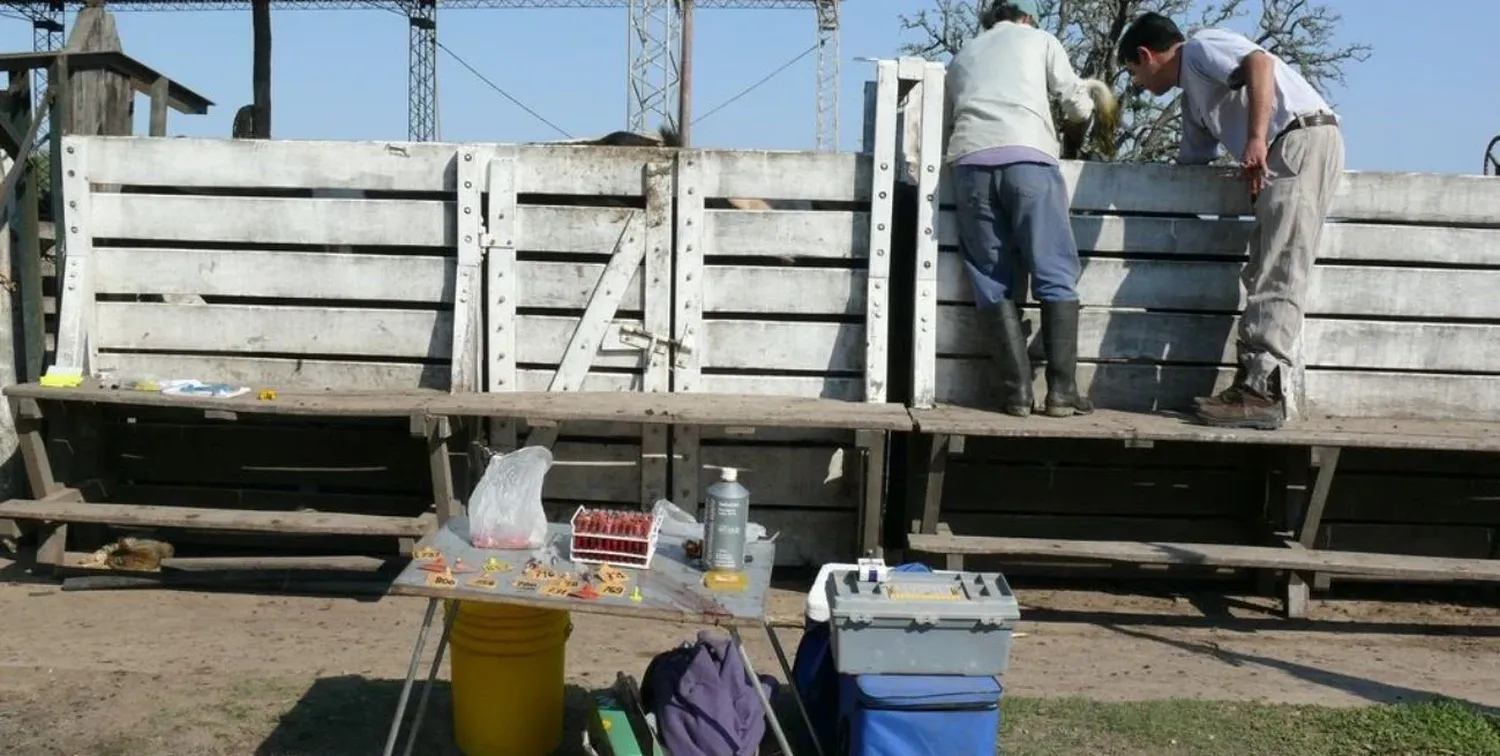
[
  {"x": 1231, "y": 394},
  {"x": 1006, "y": 340},
  {"x": 1241, "y": 407},
  {"x": 1060, "y": 341}
]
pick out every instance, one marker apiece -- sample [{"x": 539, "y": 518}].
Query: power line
[
  {"x": 752, "y": 87},
  {"x": 502, "y": 92}
]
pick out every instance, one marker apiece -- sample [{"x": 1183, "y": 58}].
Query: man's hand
[{"x": 1253, "y": 164}]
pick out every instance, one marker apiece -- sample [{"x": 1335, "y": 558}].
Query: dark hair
[
  {"x": 1152, "y": 31},
  {"x": 1000, "y": 11}
]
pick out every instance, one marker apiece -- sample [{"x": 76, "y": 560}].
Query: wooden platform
[
  {"x": 134, "y": 515},
  {"x": 1138, "y": 426},
  {"x": 749, "y": 410}
]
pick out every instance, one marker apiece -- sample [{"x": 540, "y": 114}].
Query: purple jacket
[{"x": 703, "y": 699}]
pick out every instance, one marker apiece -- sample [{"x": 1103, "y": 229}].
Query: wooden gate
[{"x": 569, "y": 250}]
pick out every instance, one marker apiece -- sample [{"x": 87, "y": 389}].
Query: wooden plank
[
  {"x": 1440, "y": 199},
  {"x": 284, "y": 164},
  {"x": 281, "y": 373},
  {"x": 560, "y": 228},
  {"x": 263, "y": 273},
  {"x": 306, "y": 523},
  {"x": 1155, "y": 337},
  {"x": 278, "y": 330},
  {"x": 273, "y": 220},
  {"x": 543, "y": 340},
  {"x": 780, "y": 476},
  {"x": 1215, "y": 286},
  {"x": 1376, "y": 433},
  {"x": 827, "y": 388},
  {"x": 1119, "y": 386},
  {"x": 1408, "y": 538},
  {"x": 338, "y": 458},
  {"x": 270, "y": 500},
  {"x": 1079, "y": 488},
  {"x": 1339, "y": 393},
  {"x": 762, "y": 174},
  {"x": 585, "y": 169},
  {"x": 1218, "y": 555},
  {"x": 771, "y": 345},
  {"x": 568, "y": 285},
  {"x": 785, "y": 476},
  {"x": 838, "y": 235},
  {"x": 1228, "y": 237},
  {"x": 800, "y": 291},
  {"x": 607, "y": 405}
]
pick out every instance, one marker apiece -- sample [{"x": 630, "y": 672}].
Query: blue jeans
[{"x": 1010, "y": 213}]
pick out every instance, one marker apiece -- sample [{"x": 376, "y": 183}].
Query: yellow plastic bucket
[{"x": 507, "y": 664}]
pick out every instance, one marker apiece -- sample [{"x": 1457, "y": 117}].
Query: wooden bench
[{"x": 1399, "y": 377}]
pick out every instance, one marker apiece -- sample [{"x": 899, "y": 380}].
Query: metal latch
[{"x": 640, "y": 338}]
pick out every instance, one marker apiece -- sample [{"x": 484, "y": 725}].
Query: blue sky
[{"x": 1423, "y": 102}]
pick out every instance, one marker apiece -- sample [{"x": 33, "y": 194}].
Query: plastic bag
[{"x": 505, "y": 510}]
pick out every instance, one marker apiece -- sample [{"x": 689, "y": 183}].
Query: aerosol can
[{"x": 726, "y": 517}]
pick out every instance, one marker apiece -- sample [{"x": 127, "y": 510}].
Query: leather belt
[{"x": 1307, "y": 121}]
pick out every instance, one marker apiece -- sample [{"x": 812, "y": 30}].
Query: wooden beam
[
  {"x": 1218, "y": 555},
  {"x": 142, "y": 76},
  {"x": 303, "y": 523}
]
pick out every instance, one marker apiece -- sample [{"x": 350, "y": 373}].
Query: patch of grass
[{"x": 1437, "y": 727}]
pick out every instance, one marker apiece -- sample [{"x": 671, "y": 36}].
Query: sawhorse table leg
[{"x": 411, "y": 674}]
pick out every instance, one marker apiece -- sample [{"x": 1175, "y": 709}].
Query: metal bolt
[
  {"x": 468, "y": 238},
  {"x": 879, "y": 226},
  {"x": 468, "y": 156},
  {"x": 882, "y": 194},
  {"x": 927, "y": 264},
  {"x": 70, "y": 150},
  {"x": 468, "y": 184},
  {"x": 468, "y": 210},
  {"x": 884, "y": 165}
]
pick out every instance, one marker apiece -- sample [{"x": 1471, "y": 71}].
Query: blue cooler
[{"x": 918, "y": 715}]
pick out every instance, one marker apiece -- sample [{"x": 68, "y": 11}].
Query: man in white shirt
[
  {"x": 1236, "y": 94},
  {"x": 1012, "y": 201}
]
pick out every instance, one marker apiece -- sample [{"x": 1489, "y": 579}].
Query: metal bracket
[{"x": 640, "y": 338}]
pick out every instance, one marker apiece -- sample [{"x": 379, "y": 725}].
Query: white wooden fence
[{"x": 1401, "y": 317}]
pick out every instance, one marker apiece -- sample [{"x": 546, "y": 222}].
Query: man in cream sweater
[{"x": 1012, "y": 202}]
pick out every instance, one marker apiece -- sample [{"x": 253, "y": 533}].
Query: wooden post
[
  {"x": 158, "y": 108},
  {"x": 260, "y": 14}
]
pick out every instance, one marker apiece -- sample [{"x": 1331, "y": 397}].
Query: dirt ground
[{"x": 178, "y": 672}]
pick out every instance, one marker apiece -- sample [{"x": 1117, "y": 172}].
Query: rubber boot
[
  {"x": 1006, "y": 340},
  {"x": 1060, "y": 340}
]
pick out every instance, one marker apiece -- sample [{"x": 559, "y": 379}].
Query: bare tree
[{"x": 1301, "y": 32}]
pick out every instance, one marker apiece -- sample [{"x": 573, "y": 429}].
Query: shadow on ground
[{"x": 351, "y": 716}]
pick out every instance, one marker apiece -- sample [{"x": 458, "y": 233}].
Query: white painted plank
[
  {"x": 585, "y": 169},
  {"x": 878, "y": 234},
  {"x": 929, "y": 173},
  {"x": 567, "y": 284},
  {"x": 583, "y": 471},
  {"x": 1165, "y": 338},
  {"x": 270, "y": 163},
  {"x": 543, "y": 339},
  {"x": 1202, "y": 190},
  {"x": 1339, "y": 393},
  {"x": 263, "y": 273},
  {"x": 272, "y": 220},
  {"x": 277, "y": 330},
  {"x": 77, "y": 347},
  {"x": 1398, "y": 345},
  {"x": 772, "y": 345},
  {"x": 537, "y": 380},
  {"x": 788, "y": 233},
  {"x": 762, "y": 174},
  {"x": 766, "y": 290},
  {"x": 560, "y": 228},
  {"x": 1138, "y": 388},
  {"x": 1121, "y": 335},
  {"x": 604, "y": 299},
  {"x": 1334, "y": 290},
  {"x": 1368, "y": 242},
  {"x": 467, "y": 340},
  {"x": 691, "y": 243},
  {"x": 846, "y": 389},
  {"x": 282, "y": 373},
  {"x": 501, "y": 282},
  {"x": 660, "y": 247}
]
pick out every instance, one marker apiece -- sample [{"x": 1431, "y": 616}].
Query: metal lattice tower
[
  {"x": 653, "y": 49},
  {"x": 421, "y": 85},
  {"x": 46, "y": 35},
  {"x": 828, "y": 75}
]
